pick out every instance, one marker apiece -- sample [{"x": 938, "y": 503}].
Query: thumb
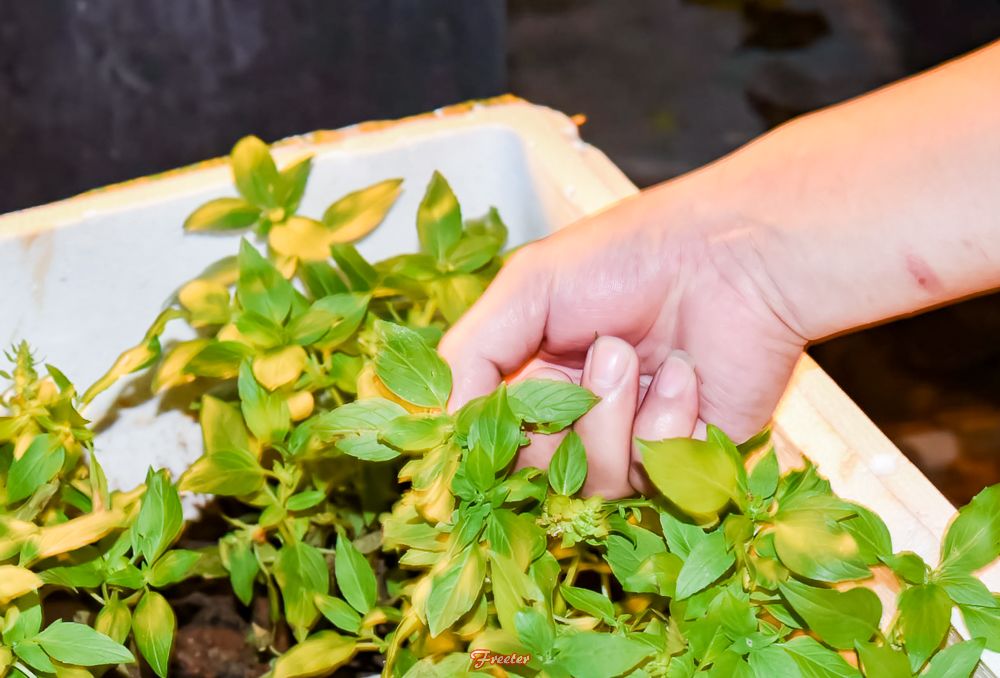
[{"x": 501, "y": 331}]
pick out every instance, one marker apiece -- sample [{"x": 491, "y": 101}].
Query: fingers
[
  {"x": 539, "y": 451},
  {"x": 501, "y": 331},
  {"x": 611, "y": 373},
  {"x": 669, "y": 410}
]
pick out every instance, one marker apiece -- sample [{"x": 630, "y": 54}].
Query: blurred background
[{"x": 98, "y": 91}]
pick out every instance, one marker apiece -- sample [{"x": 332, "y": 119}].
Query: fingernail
[
  {"x": 675, "y": 374},
  {"x": 607, "y": 363}
]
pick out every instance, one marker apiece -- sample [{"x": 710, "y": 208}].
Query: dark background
[{"x": 99, "y": 91}]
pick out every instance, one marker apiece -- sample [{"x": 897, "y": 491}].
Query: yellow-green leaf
[
  {"x": 153, "y": 626},
  {"x": 319, "y": 655},
  {"x": 222, "y": 214},
  {"x": 16, "y": 581},
  {"x": 455, "y": 590},
  {"x": 356, "y": 214},
  {"x": 276, "y": 368},
  {"x": 207, "y": 301},
  {"x": 696, "y": 475},
  {"x": 226, "y": 472},
  {"x": 254, "y": 171}
]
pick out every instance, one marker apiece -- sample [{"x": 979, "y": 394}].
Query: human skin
[{"x": 703, "y": 291}]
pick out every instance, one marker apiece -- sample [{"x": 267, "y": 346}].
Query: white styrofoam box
[{"x": 83, "y": 278}]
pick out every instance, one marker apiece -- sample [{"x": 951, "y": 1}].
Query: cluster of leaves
[{"x": 374, "y": 521}]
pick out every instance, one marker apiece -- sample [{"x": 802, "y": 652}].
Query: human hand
[{"x": 667, "y": 298}]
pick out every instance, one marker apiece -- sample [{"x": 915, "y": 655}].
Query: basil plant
[{"x": 381, "y": 533}]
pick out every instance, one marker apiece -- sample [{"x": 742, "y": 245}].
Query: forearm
[{"x": 876, "y": 208}]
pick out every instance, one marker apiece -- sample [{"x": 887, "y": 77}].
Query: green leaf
[
  {"x": 172, "y": 567},
  {"x": 124, "y": 575},
  {"x": 261, "y": 288},
  {"x": 509, "y": 589},
  {"x": 305, "y": 500},
  {"x": 924, "y": 619},
  {"x": 439, "y": 219},
  {"x": 472, "y": 252},
  {"x": 321, "y": 279},
  {"x": 410, "y": 368},
  {"x": 259, "y": 330},
  {"x": 957, "y": 661},
  {"x": 359, "y": 273},
  {"x": 973, "y": 538},
  {"x": 329, "y": 321},
  {"x": 153, "y": 626},
  {"x": 816, "y": 661},
  {"x": 496, "y": 431},
  {"x": 218, "y": 359},
  {"x": 772, "y": 661},
  {"x": 338, "y": 613},
  {"x": 964, "y": 589},
  {"x": 358, "y": 213},
  {"x": 881, "y": 661},
  {"x": 266, "y": 414},
  {"x": 810, "y": 542},
  {"x": 984, "y": 623},
  {"x": 34, "y": 656},
  {"x": 568, "y": 468},
  {"x": 478, "y": 469},
  {"x": 238, "y": 556},
  {"x": 254, "y": 171},
  {"x": 37, "y": 466},
  {"x": 416, "y": 433},
  {"x": 455, "y": 293},
  {"x": 25, "y": 620},
  {"x": 319, "y": 655},
  {"x": 85, "y": 575},
  {"x": 455, "y": 590},
  {"x": 355, "y": 577},
  {"x": 763, "y": 479},
  {"x": 708, "y": 560},
  {"x": 908, "y": 566},
  {"x": 534, "y": 630},
  {"x": 548, "y": 404},
  {"x": 301, "y": 572},
  {"x": 369, "y": 414},
  {"x": 490, "y": 224},
  {"x": 716, "y": 436},
  {"x": 730, "y": 664},
  {"x": 515, "y": 535},
  {"x": 696, "y": 475},
  {"x": 839, "y": 618},
  {"x": 160, "y": 519},
  {"x": 227, "y": 472},
  {"x": 222, "y": 214},
  {"x": 681, "y": 537},
  {"x": 80, "y": 645},
  {"x": 114, "y": 620},
  {"x": 664, "y": 569},
  {"x": 292, "y": 184},
  {"x": 591, "y": 602},
  {"x": 222, "y": 426},
  {"x": 626, "y": 554},
  {"x": 870, "y": 534},
  {"x": 365, "y": 446},
  {"x": 599, "y": 655}
]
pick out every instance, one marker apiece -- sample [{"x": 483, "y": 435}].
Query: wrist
[
  {"x": 780, "y": 210},
  {"x": 728, "y": 219}
]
